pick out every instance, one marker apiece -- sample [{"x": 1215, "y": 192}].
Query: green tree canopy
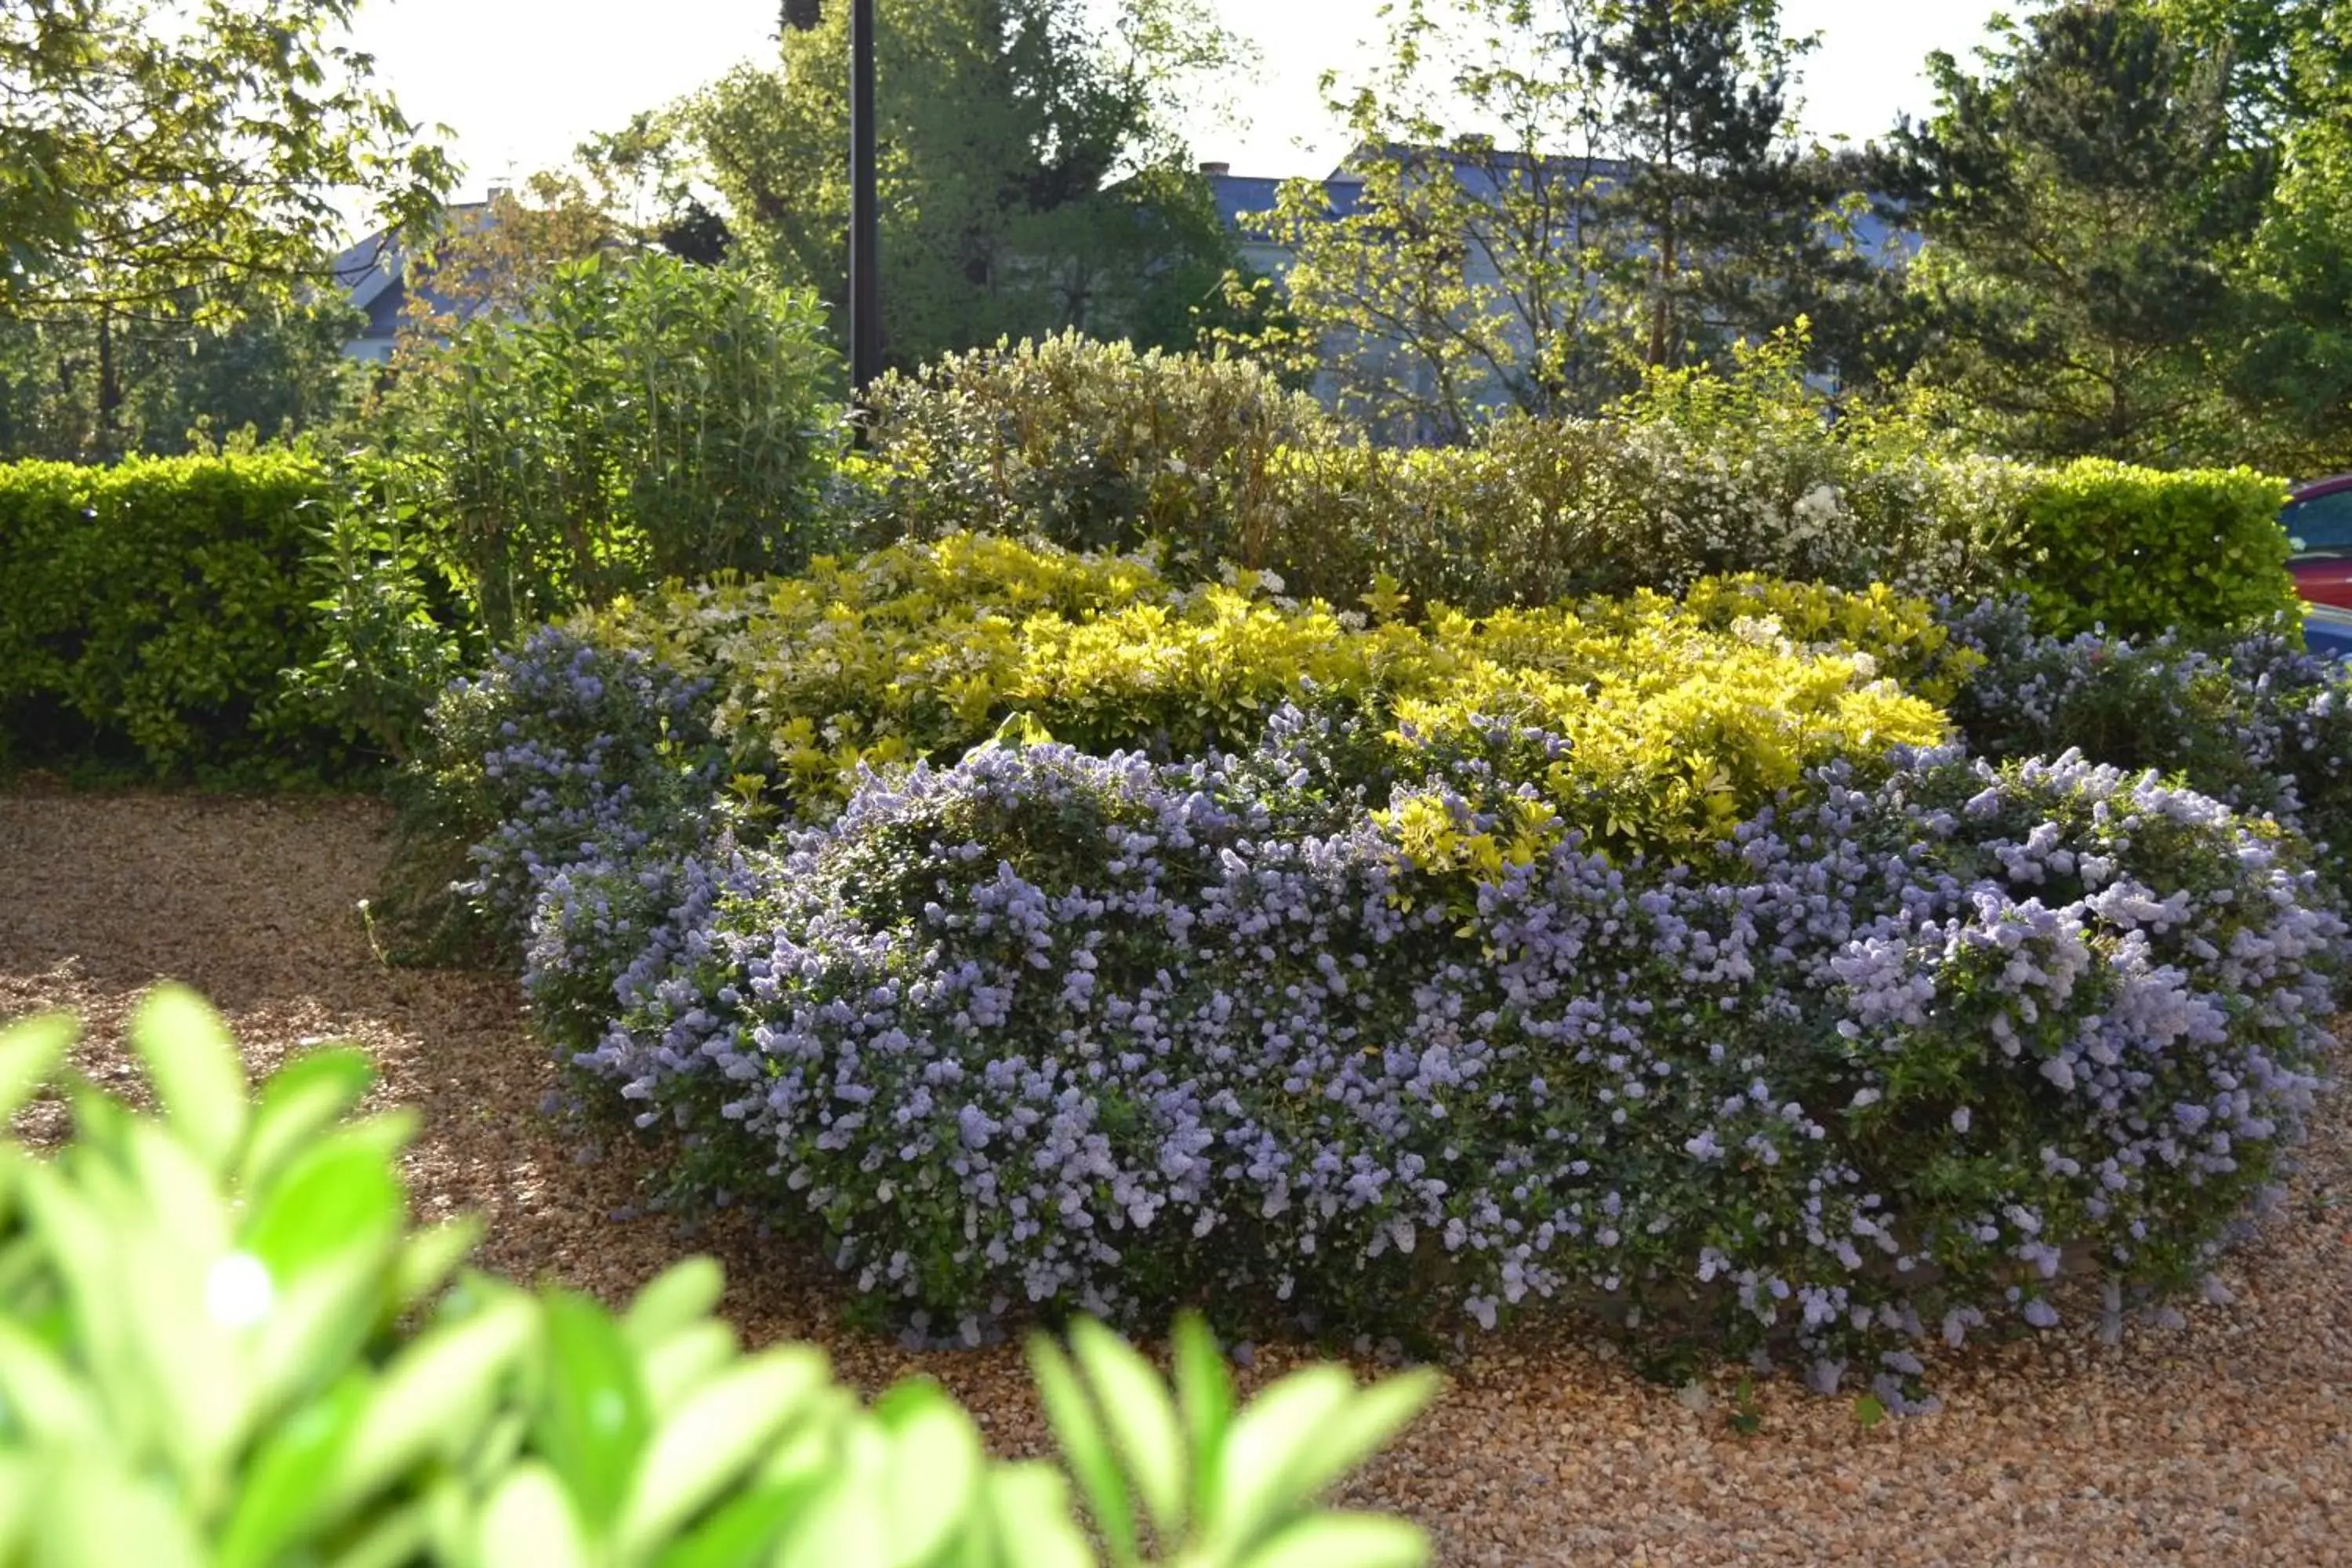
[
  {"x": 187, "y": 154},
  {"x": 2086, "y": 198},
  {"x": 1032, "y": 176},
  {"x": 170, "y": 180},
  {"x": 1559, "y": 195}
]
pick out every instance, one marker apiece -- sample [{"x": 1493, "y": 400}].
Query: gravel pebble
[{"x": 2227, "y": 1441}]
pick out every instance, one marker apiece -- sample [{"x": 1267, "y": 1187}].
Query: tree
[
  {"x": 495, "y": 260},
  {"x": 1723, "y": 226},
  {"x": 163, "y": 163},
  {"x": 2088, "y": 195},
  {"x": 1032, "y": 178},
  {"x": 278, "y": 371},
  {"x": 2288, "y": 85},
  {"x": 1629, "y": 197}
]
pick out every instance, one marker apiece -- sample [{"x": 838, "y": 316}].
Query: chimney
[
  {"x": 1213, "y": 170},
  {"x": 495, "y": 192}
]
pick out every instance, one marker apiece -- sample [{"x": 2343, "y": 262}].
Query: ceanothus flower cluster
[
  {"x": 567, "y": 753},
  {"x": 1092, "y": 1031}
]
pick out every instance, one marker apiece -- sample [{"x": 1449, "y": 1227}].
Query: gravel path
[{"x": 2227, "y": 1442}]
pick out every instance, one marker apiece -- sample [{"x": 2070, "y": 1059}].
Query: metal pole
[{"x": 864, "y": 275}]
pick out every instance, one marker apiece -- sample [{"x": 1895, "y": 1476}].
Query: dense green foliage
[
  {"x": 645, "y": 419},
  {"x": 1698, "y": 474},
  {"x": 2142, "y": 552},
  {"x": 143, "y": 160},
  {"x": 2136, "y": 233},
  {"x": 80, "y": 389},
  {"x": 1091, "y": 444},
  {"x": 222, "y": 1344},
  {"x": 1032, "y": 177},
  {"x": 151, "y": 608}
]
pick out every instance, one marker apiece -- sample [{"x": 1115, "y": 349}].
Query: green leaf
[
  {"x": 1271, "y": 1439},
  {"x": 296, "y": 1102},
  {"x": 197, "y": 1074},
  {"x": 847, "y": 1517},
  {"x": 435, "y": 1397},
  {"x": 682, "y": 1294},
  {"x": 1142, "y": 1418},
  {"x": 701, "y": 1449},
  {"x": 93, "y": 1515},
  {"x": 427, "y": 1257},
  {"x": 741, "y": 1532},
  {"x": 1085, "y": 1450},
  {"x": 1344, "y": 1541},
  {"x": 318, "y": 1324},
  {"x": 40, "y": 1395},
  {"x": 334, "y": 1196},
  {"x": 936, "y": 1466},
  {"x": 529, "y": 1519},
  {"x": 279, "y": 1503},
  {"x": 684, "y": 1361},
  {"x": 593, "y": 1422},
  {"x": 1869, "y": 1411},
  {"x": 30, "y": 1050},
  {"x": 1204, "y": 1394},
  {"x": 1029, "y": 1505},
  {"x": 1363, "y": 1428}
]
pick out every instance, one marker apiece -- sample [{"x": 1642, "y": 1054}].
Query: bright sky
[{"x": 523, "y": 81}]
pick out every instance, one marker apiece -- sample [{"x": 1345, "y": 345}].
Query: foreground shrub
[
  {"x": 2143, "y": 552},
  {"x": 1048, "y": 1029},
  {"x": 1664, "y": 725},
  {"x": 203, "y": 1360},
  {"x": 149, "y": 608}
]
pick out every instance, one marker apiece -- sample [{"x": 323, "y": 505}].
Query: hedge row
[
  {"x": 150, "y": 609},
  {"x": 1094, "y": 446}
]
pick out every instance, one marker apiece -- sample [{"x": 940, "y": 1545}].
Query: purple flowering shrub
[
  {"x": 2258, "y": 722},
  {"x": 1045, "y": 1028},
  {"x": 565, "y": 756}
]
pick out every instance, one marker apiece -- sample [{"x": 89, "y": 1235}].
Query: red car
[{"x": 2319, "y": 520}]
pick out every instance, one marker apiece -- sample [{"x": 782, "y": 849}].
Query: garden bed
[{"x": 2222, "y": 1440}]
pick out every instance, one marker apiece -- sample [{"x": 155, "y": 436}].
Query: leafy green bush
[
  {"x": 204, "y": 1358},
  {"x": 1089, "y": 444},
  {"x": 645, "y": 419},
  {"x": 1094, "y": 446},
  {"x": 2141, "y": 551},
  {"x": 149, "y": 608}
]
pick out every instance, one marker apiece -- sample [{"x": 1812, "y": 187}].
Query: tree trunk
[{"x": 108, "y": 435}]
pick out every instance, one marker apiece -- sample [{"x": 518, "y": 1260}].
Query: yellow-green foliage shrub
[{"x": 1670, "y": 722}]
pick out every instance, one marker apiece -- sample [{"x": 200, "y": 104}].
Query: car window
[{"x": 2323, "y": 523}]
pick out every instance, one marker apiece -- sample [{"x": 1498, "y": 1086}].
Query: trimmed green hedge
[
  {"x": 149, "y": 608},
  {"x": 1093, "y": 447},
  {"x": 2143, "y": 552}
]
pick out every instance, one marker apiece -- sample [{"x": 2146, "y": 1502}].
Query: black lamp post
[
  {"x": 865, "y": 249},
  {"x": 865, "y": 245}
]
